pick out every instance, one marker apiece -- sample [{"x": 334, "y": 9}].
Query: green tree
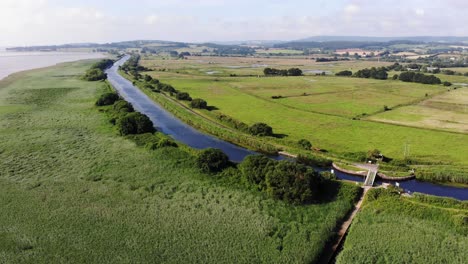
[
  {"x": 199, "y": 103},
  {"x": 261, "y": 129},
  {"x": 292, "y": 182},
  {"x": 212, "y": 160},
  {"x": 107, "y": 99},
  {"x": 254, "y": 169},
  {"x": 135, "y": 123},
  {"x": 184, "y": 97}
]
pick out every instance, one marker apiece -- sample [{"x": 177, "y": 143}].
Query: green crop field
[
  {"x": 394, "y": 229},
  {"x": 324, "y": 114},
  {"x": 72, "y": 190}
]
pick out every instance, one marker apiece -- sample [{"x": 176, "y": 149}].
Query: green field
[
  {"x": 74, "y": 191},
  {"x": 324, "y": 114},
  {"x": 394, "y": 229}
]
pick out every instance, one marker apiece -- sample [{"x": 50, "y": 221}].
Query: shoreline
[{"x": 15, "y": 63}]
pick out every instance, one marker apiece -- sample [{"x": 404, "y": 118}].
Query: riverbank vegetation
[
  {"x": 69, "y": 178},
  {"x": 420, "y": 229}
]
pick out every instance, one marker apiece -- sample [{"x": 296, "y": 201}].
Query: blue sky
[{"x": 33, "y": 22}]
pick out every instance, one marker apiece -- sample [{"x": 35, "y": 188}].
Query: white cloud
[
  {"x": 34, "y": 22},
  {"x": 151, "y": 20},
  {"x": 419, "y": 12},
  {"x": 351, "y": 9}
]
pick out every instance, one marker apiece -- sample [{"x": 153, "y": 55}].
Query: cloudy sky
[{"x": 34, "y": 22}]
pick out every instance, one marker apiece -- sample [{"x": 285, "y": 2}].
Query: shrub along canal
[{"x": 168, "y": 124}]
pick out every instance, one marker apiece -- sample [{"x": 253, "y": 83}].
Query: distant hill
[
  {"x": 249, "y": 42},
  {"x": 450, "y": 39}
]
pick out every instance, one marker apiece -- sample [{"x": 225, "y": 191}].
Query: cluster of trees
[
  {"x": 103, "y": 64},
  {"x": 277, "y": 72},
  {"x": 96, "y": 72},
  {"x": 199, "y": 103},
  {"x": 292, "y": 182},
  {"x": 344, "y": 73},
  {"x": 418, "y": 77},
  {"x": 124, "y": 116},
  {"x": 331, "y": 59},
  {"x": 282, "y": 180},
  {"x": 374, "y": 73},
  {"x": 132, "y": 67}
]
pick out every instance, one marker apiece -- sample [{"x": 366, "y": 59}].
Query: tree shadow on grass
[
  {"x": 279, "y": 135},
  {"x": 211, "y": 108}
]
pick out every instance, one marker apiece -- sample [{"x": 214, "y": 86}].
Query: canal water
[{"x": 174, "y": 127}]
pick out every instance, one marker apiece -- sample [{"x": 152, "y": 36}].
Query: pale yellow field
[{"x": 448, "y": 111}]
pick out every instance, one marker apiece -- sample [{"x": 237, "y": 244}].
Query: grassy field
[
  {"x": 448, "y": 111},
  {"x": 74, "y": 191},
  {"x": 250, "y": 66},
  {"x": 394, "y": 229}
]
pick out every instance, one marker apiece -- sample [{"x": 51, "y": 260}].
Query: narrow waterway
[{"x": 174, "y": 127}]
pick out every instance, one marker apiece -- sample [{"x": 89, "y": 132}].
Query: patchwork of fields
[{"x": 322, "y": 108}]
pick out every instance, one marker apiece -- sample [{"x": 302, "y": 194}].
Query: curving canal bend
[{"x": 168, "y": 124}]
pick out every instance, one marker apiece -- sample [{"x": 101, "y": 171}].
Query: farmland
[
  {"x": 341, "y": 115},
  {"x": 394, "y": 229},
  {"x": 73, "y": 190}
]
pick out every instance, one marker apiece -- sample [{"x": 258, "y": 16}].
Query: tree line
[
  {"x": 278, "y": 72},
  {"x": 96, "y": 71}
]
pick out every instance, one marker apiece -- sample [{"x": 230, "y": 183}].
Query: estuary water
[{"x": 11, "y": 62}]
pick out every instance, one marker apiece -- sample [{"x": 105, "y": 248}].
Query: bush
[
  {"x": 107, "y": 99},
  {"x": 261, "y": 129},
  {"x": 373, "y": 154},
  {"x": 94, "y": 75},
  {"x": 447, "y": 83},
  {"x": 254, "y": 169},
  {"x": 162, "y": 143},
  {"x": 135, "y": 123},
  {"x": 166, "y": 142},
  {"x": 212, "y": 160},
  {"x": 147, "y": 78},
  {"x": 183, "y": 96},
  {"x": 122, "y": 106},
  {"x": 292, "y": 182},
  {"x": 199, "y": 103},
  {"x": 305, "y": 144}
]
